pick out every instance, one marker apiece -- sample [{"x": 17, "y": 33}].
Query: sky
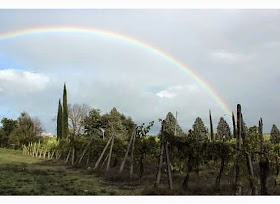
[{"x": 235, "y": 52}]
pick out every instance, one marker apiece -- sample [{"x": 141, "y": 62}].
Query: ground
[{"x": 26, "y": 175}]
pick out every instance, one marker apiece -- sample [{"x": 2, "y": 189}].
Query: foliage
[
  {"x": 252, "y": 141},
  {"x": 92, "y": 122},
  {"x": 171, "y": 123},
  {"x": 65, "y": 128},
  {"x": 113, "y": 123},
  {"x": 199, "y": 130},
  {"x": 275, "y": 134},
  {"x": 223, "y": 130},
  {"x": 77, "y": 114},
  {"x": 59, "y": 121},
  {"x": 26, "y": 131},
  {"x": 8, "y": 125}
]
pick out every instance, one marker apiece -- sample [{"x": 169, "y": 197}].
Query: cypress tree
[
  {"x": 65, "y": 114},
  {"x": 211, "y": 127},
  {"x": 275, "y": 134},
  {"x": 223, "y": 130},
  {"x": 199, "y": 130},
  {"x": 59, "y": 121}
]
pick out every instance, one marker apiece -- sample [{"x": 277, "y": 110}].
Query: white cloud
[
  {"x": 227, "y": 57},
  {"x": 14, "y": 81},
  {"x": 174, "y": 91}
]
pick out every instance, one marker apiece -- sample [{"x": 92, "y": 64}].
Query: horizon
[{"x": 221, "y": 47}]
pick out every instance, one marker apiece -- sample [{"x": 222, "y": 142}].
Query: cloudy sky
[{"x": 235, "y": 52}]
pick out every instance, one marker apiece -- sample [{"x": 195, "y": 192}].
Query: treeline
[
  {"x": 15, "y": 133},
  {"x": 242, "y": 160}
]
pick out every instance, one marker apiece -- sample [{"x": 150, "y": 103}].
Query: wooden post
[
  {"x": 110, "y": 153},
  {"x": 168, "y": 165},
  {"x": 84, "y": 152},
  {"x": 68, "y": 155},
  {"x": 73, "y": 156},
  {"x": 132, "y": 156},
  {"x": 238, "y": 148},
  {"x": 250, "y": 169},
  {"x": 159, "y": 167},
  {"x": 52, "y": 154},
  {"x": 99, "y": 159},
  {"x": 127, "y": 150},
  {"x": 104, "y": 160},
  {"x": 175, "y": 131}
]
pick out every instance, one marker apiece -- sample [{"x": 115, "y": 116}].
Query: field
[{"x": 25, "y": 175}]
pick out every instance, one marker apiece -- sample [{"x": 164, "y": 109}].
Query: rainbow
[{"x": 132, "y": 41}]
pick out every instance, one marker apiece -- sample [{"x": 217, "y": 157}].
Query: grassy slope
[{"x": 25, "y": 175}]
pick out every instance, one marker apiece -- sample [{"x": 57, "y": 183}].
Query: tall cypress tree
[
  {"x": 211, "y": 127},
  {"x": 65, "y": 114},
  {"x": 59, "y": 121}
]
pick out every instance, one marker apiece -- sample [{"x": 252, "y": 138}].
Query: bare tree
[
  {"x": 76, "y": 115},
  {"x": 37, "y": 126}
]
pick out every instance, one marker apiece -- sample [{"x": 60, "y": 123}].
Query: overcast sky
[{"x": 236, "y": 52}]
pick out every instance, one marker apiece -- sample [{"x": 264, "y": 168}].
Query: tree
[
  {"x": 65, "y": 128},
  {"x": 8, "y": 125},
  {"x": 170, "y": 123},
  {"x": 77, "y": 114},
  {"x": 116, "y": 123},
  {"x": 26, "y": 131},
  {"x": 92, "y": 122},
  {"x": 199, "y": 130},
  {"x": 223, "y": 130},
  {"x": 59, "y": 121},
  {"x": 274, "y": 134}
]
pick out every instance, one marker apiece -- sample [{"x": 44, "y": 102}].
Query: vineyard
[{"x": 111, "y": 152}]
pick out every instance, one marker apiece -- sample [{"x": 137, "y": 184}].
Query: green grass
[{"x": 26, "y": 175}]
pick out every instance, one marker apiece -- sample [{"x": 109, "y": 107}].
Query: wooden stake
[
  {"x": 66, "y": 160},
  {"x": 159, "y": 167},
  {"x": 102, "y": 154},
  {"x": 168, "y": 166},
  {"x": 132, "y": 156},
  {"x": 110, "y": 153},
  {"x": 127, "y": 150},
  {"x": 85, "y": 150}
]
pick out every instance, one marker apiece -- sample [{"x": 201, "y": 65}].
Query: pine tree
[
  {"x": 59, "y": 121},
  {"x": 170, "y": 125},
  {"x": 274, "y": 134},
  {"x": 199, "y": 130},
  {"x": 65, "y": 127},
  {"x": 223, "y": 130}
]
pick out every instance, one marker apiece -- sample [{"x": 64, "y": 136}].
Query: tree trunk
[
  {"x": 88, "y": 158},
  {"x": 141, "y": 172},
  {"x": 185, "y": 185},
  {"x": 264, "y": 170},
  {"x": 251, "y": 174},
  {"x": 218, "y": 179}
]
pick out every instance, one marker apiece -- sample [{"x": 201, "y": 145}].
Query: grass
[{"x": 26, "y": 175}]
